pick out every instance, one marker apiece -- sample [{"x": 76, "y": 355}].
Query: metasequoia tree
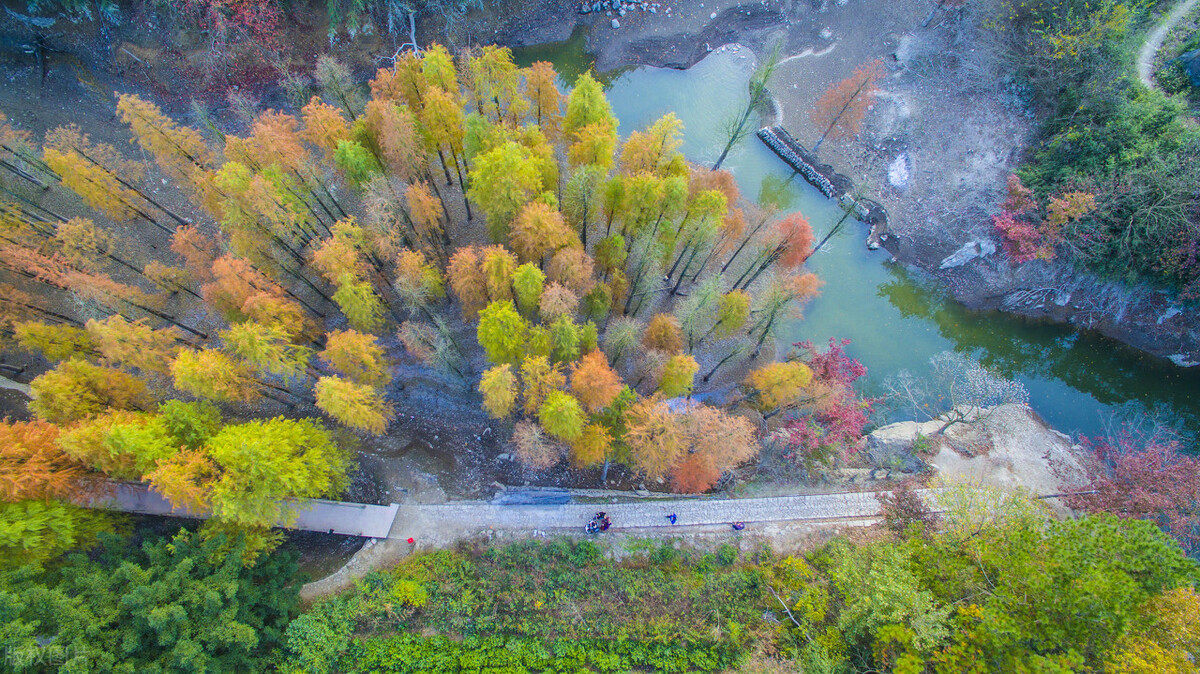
[
  {"x": 717, "y": 442},
  {"x": 134, "y": 344},
  {"x": 841, "y": 109},
  {"x": 737, "y": 127},
  {"x": 498, "y": 385},
  {"x": 594, "y": 382},
  {"x": 663, "y": 334},
  {"x": 75, "y": 389},
  {"x": 267, "y": 349},
  {"x": 212, "y": 374},
  {"x": 678, "y": 376},
  {"x": 503, "y": 181},
  {"x": 353, "y": 405},
  {"x": 357, "y": 356},
  {"x": 533, "y": 447},
  {"x": 561, "y": 416},
  {"x": 179, "y": 150},
  {"x": 55, "y": 342},
  {"x": 655, "y": 441},
  {"x": 778, "y": 385},
  {"x": 539, "y": 378},
  {"x": 263, "y": 462},
  {"x": 186, "y": 479},
  {"x": 33, "y": 466}
]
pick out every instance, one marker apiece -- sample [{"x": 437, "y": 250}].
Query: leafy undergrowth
[{"x": 558, "y": 606}]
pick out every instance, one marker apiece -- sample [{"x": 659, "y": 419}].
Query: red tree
[
  {"x": 836, "y": 415},
  {"x": 1149, "y": 479}
]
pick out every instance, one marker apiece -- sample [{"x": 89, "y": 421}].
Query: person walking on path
[
  {"x": 738, "y": 526},
  {"x": 671, "y": 517}
]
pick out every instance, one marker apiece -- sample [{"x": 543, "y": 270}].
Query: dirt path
[{"x": 1154, "y": 41}]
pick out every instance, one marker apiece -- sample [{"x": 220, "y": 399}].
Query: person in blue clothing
[
  {"x": 738, "y": 526},
  {"x": 671, "y": 517}
]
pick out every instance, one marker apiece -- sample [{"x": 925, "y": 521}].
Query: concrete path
[
  {"x": 436, "y": 523},
  {"x": 332, "y": 517},
  {"x": 1154, "y": 41},
  {"x": 454, "y": 519}
]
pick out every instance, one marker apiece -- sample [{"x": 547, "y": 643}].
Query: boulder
[
  {"x": 616, "y": 24},
  {"x": 969, "y": 251},
  {"x": 1191, "y": 66}
]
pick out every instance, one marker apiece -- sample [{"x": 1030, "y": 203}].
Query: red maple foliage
[
  {"x": 836, "y": 417},
  {"x": 1149, "y": 479},
  {"x": 256, "y": 20}
]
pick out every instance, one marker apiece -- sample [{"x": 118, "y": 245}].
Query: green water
[{"x": 1075, "y": 380}]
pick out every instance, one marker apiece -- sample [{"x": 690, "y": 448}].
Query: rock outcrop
[{"x": 1008, "y": 447}]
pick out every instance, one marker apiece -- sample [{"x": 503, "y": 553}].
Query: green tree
[
  {"x": 178, "y": 603},
  {"x": 528, "y": 282},
  {"x": 360, "y": 304},
  {"x": 501, "y": 333},
  {"x": 503, "y": 180},
  {"x": 266, "y": 461},
  {"x": 190, "y": 424},
  {"x": 678, "y": 376},
  {"x": 35, "y": 531},
  {"x": 562, "y": 416}
]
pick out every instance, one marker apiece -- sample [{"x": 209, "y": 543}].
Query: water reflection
[{"x": 1109, "y": 373}]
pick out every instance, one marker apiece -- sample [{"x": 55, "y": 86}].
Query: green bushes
[
  {"x": 554, "y": 606},
  {"x": 998, "y": 586},
  {"x": 441, "y": 655},
  {"x": 1107, "y": 134}
]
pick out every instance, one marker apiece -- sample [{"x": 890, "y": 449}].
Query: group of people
[
  {"x": 601, "y": 522},
  {"x": 598, "y": 523}
]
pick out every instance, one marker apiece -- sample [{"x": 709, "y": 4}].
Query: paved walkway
[
  {"x": 333, "y": 517},
  {"x": 453, "y": 518},
  {"x": 1154, "y": 41}
]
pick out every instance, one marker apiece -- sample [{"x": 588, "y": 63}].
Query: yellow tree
[
  {"x": 663, "y": 334},
  {"x": 357, "y": 356},
  {"x": 324, "y": 126},
  {"x": 466, "y": 277},
  {"x": 498, "y": 385},
  {"x": 539, "y": 230},
  {"x": 267, "y": 349},
  {"x": 211, "y": 374},
  {"x": 778, "y": 385},
  {"x": 678, "y": 376},
  {"x": 186, "y": 479},
  {"x": 179, "y": 150},
  {"x": 76, "y": 389},
  {"x": 55, "y": 342},
  {"x": 541, "y": 89},
  {"x": 655, "y": 439},
  {"x": 354, "y": 405},
  {"x": 539, "y": 379},
  {"x": 134, "y": 344}
]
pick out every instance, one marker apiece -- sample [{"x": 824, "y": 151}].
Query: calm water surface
[{"x": 1075, "y": 380}]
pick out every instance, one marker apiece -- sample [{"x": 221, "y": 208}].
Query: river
[{"x": 1078, "y": 381}]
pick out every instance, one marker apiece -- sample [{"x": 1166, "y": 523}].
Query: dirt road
[{"x": 1154, "y": 41}]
